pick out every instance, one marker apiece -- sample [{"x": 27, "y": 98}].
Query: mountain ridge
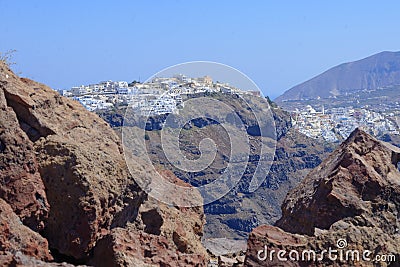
[{"x": 378, "y": 70}]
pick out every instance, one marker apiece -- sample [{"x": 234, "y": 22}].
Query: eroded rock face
[
  {"x": 160, "y": 236},
  {"x": 54, "y": 152},
  {"x": 16, "y": 237},
  {"x": 356, "y": 180},
  {"x": 63, "y": 174},
  {"x": 78, "y": 158},
  {"x": 353, "y": 195},
  {"x": 20, "y": 182},
  {"x": 129, "y": 247}
]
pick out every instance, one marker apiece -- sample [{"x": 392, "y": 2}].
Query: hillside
[
  {"x": 238, "y": 212},
  {"x": 373, "y": 72}
]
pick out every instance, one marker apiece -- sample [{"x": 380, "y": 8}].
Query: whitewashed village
[
  {"x": 165, "y": 95},
  {"x": 157, "y": 97},
  {"x": 336, "y": 124}
]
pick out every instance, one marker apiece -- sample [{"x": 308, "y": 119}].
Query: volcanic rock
[
  {"x": 63, "y": 174},
  {"x": 352, "y": 199},
  {"x": 16, "y": 237},
  {"x": 357, "y": 179},
  {"x": 78, "y": 158},
  {"x": 20, "y": 182},
  {"x": 160, "y": 236}
]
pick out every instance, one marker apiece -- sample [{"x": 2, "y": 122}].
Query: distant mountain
[{"x": 379, "y": 70}]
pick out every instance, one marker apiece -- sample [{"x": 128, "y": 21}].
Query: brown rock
[
  {"x": 354, "y": 180},
  {"x": 352, "y": 197},
  {"x": 129, "y": 247},
  {"x": 20, "y": 182},
  {"x": 79, "y": 160},
  {"x": 182, "y": 225},
  {"x": 48, "y": 138},
  {"x": 17, "y": 238},
  {"x": 160, "y": 236},
  {"x": 57, "y": 154},
  {"x": 84, "y": 188}
]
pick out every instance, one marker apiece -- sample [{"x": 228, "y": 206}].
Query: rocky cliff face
[
  {"x": 353, "y": 196},
  {"x": 65, "y": 188},
  {"x": 161, "y": 236},
  {"x": 237, "y": 213}
]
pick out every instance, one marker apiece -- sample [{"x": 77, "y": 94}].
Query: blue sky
[{"x": 278, "y": 44}]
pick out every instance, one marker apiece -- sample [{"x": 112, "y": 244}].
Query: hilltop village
[
  {"x": 157, "y": 97},
  {"x": 165, "y": 95}
]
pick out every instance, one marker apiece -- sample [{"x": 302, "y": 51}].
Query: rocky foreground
[
  {"x": 351, "y": 201},
  {"x": 66, "y": 194}
]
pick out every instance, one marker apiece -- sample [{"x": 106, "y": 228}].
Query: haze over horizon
[{"x": 278, "y": 45}]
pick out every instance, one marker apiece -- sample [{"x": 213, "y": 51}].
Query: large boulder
[
  {"x": 78, "y": 158},
  {"x": 161, "y": 235},
  {"x": 351, "y": 202},
  {"x": 356, "y": 180}
]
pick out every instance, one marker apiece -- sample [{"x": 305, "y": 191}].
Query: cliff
[
  {"x": 65, "y": 190},
  {"x": 238, "y": 212},
  {"x": 351, "y": 201}
]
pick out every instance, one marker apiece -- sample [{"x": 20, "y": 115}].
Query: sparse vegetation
[{"x": 6, "y": 57}]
